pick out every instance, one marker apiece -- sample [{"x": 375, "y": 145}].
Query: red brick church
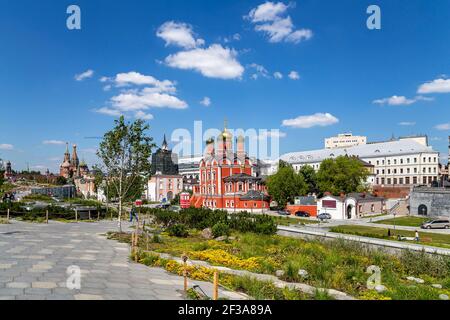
[{"x": 227, "y": 179}]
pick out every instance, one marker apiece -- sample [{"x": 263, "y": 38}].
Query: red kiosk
[{"x": 185, "y": 200}]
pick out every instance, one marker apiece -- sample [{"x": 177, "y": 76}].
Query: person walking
[
  {"x": 133, "y": 214},
  {"x": 417, "y": 238}
]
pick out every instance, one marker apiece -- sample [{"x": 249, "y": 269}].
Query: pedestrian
[
  {"x": 417, "y": 238},
  {"x": 133, "y": 214}
]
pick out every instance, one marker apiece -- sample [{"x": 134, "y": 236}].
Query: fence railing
[{"x": 48, "y": 215}]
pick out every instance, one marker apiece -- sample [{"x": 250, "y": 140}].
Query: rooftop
[{"x": 390, "y": 148}]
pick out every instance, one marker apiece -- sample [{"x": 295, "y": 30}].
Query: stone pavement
[{"x": 34, "y": 259}]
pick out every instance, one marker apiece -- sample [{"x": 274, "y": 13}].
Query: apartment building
[{"x": 404, "y": 162}]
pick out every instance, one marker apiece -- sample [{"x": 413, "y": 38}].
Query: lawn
[
  {"x": 426, "y": 238},
  {"x": 404, "y": 221}
]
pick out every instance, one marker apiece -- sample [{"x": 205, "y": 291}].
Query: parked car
[
  {"x": 302, "y": 214},
  {"x": 284, "y": 213},
  {"x": 175, "y": 208},
  {"x": 324, "y": 216},
  {"x": 436, "y": 224}
]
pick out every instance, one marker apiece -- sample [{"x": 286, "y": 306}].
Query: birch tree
[{"x": 125, "y": 154}]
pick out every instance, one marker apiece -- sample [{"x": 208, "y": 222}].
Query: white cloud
[
  {"x": 278, "y": 75},
  {"x": 133, "y": 99},
  {"x": 267, "y": 11},
  {"x": 443, "y": 127},
  {"x": 270, "y": 18},
  {"x": 435, "y": 86},
  {"x": 309, "y": 121},
  {"x": 6, "y": 146},
  {"x": 85, "y": 75},
  {"x": 401, "y": 100},
  {"x": 406, "y": 123},
  {"x": 395, "y": 101},
  {"x": 235, "y": 37},
  {"x": 145, "y": 99},
  {"x": 143, "y": 116},
  {"x": 212, "y": 62},
  {"x": 178, "y": 34},
  {"x": 293, "y": 75},
  {"x": 108, "y": 112},
  {"x": 54, "y": 142},
  {"x": 138, "y": 79},
  {"x": 299, "y": 35},
  {"x": 259, "y": 71},
  {"x": 206, "y": 101}
]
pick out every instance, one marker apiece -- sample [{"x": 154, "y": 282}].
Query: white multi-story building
[
  {"x": 344, "y": 140},
  {"x": 403, "y": 162},
  {"x": 188, "y": 167}
]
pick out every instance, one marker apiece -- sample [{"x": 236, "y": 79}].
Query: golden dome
[{"x": 226, "y": 134}]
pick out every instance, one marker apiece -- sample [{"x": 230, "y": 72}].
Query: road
[
  {"x": 34, "y": 259},
  {"x": 368, "y": 222}
]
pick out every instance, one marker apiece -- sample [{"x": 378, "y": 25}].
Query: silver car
[{"x": 436, "y": 224}]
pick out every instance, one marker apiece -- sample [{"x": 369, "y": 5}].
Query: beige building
[
  {"x": 344, "y": 140},
  {"x": 164, "y": 187},
  {"x": 404, "y": 162}
]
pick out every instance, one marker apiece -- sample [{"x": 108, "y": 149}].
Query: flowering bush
[{"x": 221, "y": 257}]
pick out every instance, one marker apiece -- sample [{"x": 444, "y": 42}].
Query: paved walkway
[{"x": 34, "y": 259}]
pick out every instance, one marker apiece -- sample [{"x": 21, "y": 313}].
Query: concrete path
[
  {"x": 34, "y": 259},
  {"x": 369, "y": 222}
]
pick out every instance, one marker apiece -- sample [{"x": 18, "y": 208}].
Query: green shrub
[
  {"x": 150, "y": 259},
  {"x": 178, "y": 230},
  {"x": 156, "y": 239},
  {"x": 420, "y": 263},
  {"x": 291, "y": 272},
  {"x": 165, "y": 217},
  {"x": 220, "y": 229},
  {"x": 201, "y": 218},
  {"x": 265, "y": 224}
]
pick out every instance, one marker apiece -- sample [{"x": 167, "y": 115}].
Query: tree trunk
[{"x": 120, "y": 202}]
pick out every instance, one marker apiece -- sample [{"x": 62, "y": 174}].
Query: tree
[
  {"x": 99, "y": 177},
  {"x": 61, "y": 181},
  {"x": 341, "y": 175},
  {"x": 2, "y": 180},
  {"x": 309, "y": 175},
  {"x": 125, "y": 152},
  {"x": 285, "y": 185}
]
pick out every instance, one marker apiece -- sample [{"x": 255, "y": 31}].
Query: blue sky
[{"x": 370, "y": 82}]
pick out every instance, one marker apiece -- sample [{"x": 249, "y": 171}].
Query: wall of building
[
  {"x": 344, "y": 140},
  {"x": 437, "y": 201},
  {"x": 405, "y": 170},
  {"x": 164, "y": 187},
  {"x": 311, "y": 209}
]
